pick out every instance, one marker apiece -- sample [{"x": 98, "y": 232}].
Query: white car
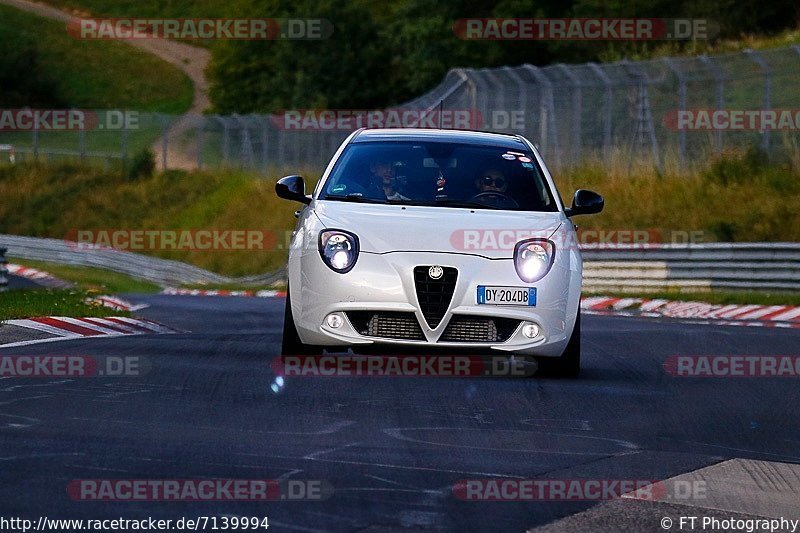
[{"x": 424, "y": 239}]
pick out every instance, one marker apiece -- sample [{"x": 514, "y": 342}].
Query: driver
[
  {"x": 382, "y": 181},
  {"x": 491, "y": 180}
]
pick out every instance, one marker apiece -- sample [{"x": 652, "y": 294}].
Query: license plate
[{"x": 506, "y": 295}]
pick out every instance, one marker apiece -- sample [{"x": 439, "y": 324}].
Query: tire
[
  {"x": 569, "y": 364},
  {"x": 292, "y": 345}
]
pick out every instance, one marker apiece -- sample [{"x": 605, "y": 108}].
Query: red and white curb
[
  {"x": 786, "y": 316},
  {"x": 43, "y": 278},
  {"x": 66, "y": 328},
  {"x": 202, "y": 292},
  {"x": 117, "y": 304}
]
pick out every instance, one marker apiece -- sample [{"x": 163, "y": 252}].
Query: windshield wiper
[{"x": 353, "y": 197}]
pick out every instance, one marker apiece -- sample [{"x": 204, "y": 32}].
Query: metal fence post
[
  {"x": 81, "y": 143},
  {"x": 164, "y": 139},
  {"x": 767, "y": 102},
  {"x": 608, "y": 103},
  {"x": 501, "y": 100},
  {"x": 226, "y": 139},
  {"x": 548, "y": 134},
  {"x": 681, "y": 105},
  {"x": 200, "y": 142},
  {"x": 644, "y": 112},
  {"x": 35, "y": 144},
  {"x": 577, "y": 111},
  {"x": 246, "y": 155},
  {"x": 719, "y": 79},
  {"x": 124, "y": 145},
  {"x": 522, "y": 89},
  {"x": 264, "y": 144}
]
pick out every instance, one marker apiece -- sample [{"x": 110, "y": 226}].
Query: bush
[
  {"x": 730, "y": 169},
  {"x": 143, "y": 165}
]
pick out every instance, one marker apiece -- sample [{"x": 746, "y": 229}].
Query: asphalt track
[{"x": 392, "y": 449}]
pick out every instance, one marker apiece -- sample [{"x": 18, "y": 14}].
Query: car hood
[{"x": 397, "y": 228}]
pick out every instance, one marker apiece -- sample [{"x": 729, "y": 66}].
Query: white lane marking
[
  {"x": 31, "y": 324},
  {"x": 384, "y": 480},
  {"x": 559, "y": 423},
  {"x": 128, "y": 330},
  {"x": 386, "y": 465},
  {"x": 39, "y": 341},
  {"x": 147, "y": 324},
  {"x": 333, "y": 428},
  {"x": 316, "y": 454},
  {"x": 288, "y": 474},
  {"x": 89, "y": 325},
  {"x": 396, "y": 433}
]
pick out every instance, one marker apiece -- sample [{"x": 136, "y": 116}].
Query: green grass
[
  {"x": 95, "y": 280},
  {"x": 737, "y": 198},
  {"x": 33, "y": 303},
  {"x": 721, "y": 297},
  {"x": 99, "y": 74}
]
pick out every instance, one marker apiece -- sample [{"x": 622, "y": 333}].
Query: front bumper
[{"x": 385, "y": 282}]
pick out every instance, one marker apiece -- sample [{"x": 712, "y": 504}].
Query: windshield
[{"x": 443, "y": 174}]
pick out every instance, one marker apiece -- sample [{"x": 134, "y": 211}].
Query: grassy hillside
[
  {"x": 739, "y": 198},
  {"x": 91, "y": 74},
  {"x": 53, "y": 201}
]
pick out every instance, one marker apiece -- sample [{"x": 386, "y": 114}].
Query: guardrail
[
  {"x": 756, "y": 266},
  {"x": 160, "y": 271},
  {"x": 3, "y": 271}
]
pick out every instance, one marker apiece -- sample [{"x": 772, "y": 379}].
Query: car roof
[{"x": 434, "y": 135}]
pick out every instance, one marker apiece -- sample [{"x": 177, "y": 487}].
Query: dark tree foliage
[
  {"x": 384, "y": 52},
  {"x": 23, "y": 81}
]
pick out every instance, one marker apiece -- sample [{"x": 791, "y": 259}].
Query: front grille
[
  {"x": 387, "y": 324},
  {"x": 479, "y": 329},
  {"x": 434, "y": 295}
]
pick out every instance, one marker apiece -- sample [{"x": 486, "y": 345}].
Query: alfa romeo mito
[{"x": 436, "y": 240}]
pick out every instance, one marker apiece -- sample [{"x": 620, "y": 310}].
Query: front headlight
[
  {"x": 533, "y": 259},
  {"x": 339, "y": 249}
]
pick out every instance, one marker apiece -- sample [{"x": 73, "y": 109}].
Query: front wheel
[
  {"x": 292, "y": 345},
  {"x": 569, "y": 364}
]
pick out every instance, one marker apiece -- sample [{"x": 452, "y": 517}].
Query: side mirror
[
  {"x": 585, "y": 203},
  {"x": 292, "y": 188}
]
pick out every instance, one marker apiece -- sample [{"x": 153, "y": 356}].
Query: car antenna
[{"x": 441, "y": 106}]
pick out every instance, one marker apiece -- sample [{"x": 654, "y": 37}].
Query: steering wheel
[{"x": 495, "y": 199}]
